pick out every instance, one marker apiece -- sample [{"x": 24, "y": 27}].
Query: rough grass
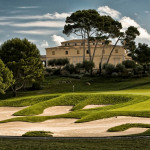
[
  {"x": 26, "y": 101},
  {"x": 76, "y": 144},
  {"x": 38, "y": 134}
]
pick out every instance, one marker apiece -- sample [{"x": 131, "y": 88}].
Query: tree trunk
[
  {"x": 89, "y": 48},
  {"x": 112, "y": 50},
  {"x": 94, "y": 50},
  {"x": 100, "y": 66},
  {"x": 84, "y": 49},
  {"x": 15, "y": 89}
]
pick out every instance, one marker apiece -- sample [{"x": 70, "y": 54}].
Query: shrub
[
  {"x": 79, "y": 67},
  {"x": 88, "y": 65},
  {"x": 120, "y": 68},
  {"x": 49, "y": 70},
  {"x": 36, "y": 86},
  {"x": 58, "y": 62},
  {"x": 114, "y": 74},
  {"x": 129, "y": 64},
  {"x": 52, "y": 62},
  {"x": 70, "y": 68},
  {"x": 138, "y": 69},
  {"x": 56, "y": 71},
  {"x": 109, "y": 69}
]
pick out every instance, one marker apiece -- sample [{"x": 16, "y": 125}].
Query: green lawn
[{"x": 76, "y": 144}]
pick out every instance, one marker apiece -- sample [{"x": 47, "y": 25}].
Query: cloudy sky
[{"x": 42, "y": 21}]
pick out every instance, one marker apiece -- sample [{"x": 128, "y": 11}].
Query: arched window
[
  {"x": 53, "y": 52},
  {"x": 116, "y": 50},
  {"x": 66, "y": 52}
]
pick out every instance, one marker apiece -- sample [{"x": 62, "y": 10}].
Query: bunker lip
[
  {"x": 94, "y": 106},
  {"x": 56, "y": 110},
  {"x": 65, "y": 127}
]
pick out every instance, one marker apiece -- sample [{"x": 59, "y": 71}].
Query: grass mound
[
  {"x": 38, "y": 134},
  {"x": 84, "y": 115},
  {"x": 76, "y": 100},
  {"x": 131, "y": 125},
  {"x": 127, "y": 126},
  {"x": 26, "y": 101}
]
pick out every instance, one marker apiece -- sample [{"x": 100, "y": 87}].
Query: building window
[
  {"x": 78, "y": 52},
  {"x": 116, "y": 51},
  {"x": 68, "y": 44},
  {"x": 81, "y": 44},
  {"x": 93, "y": 43},
  {"x": 87, "y": 51},
  {"x": 65, "y": 44},
  {"x": 66, "y": 52},
  {"x": 53, "y": 52},
  {"x": 75, "y": 44}
]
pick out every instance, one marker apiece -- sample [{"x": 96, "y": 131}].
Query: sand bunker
[
  {"x": 93, "y": 106},
  {"x": 67, "y": 127},
  {"x": 7, "y": 112},
  {"x": 56, "y": 110}
]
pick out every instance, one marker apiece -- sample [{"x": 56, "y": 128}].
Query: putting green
[{"x": 142, "y": 106}]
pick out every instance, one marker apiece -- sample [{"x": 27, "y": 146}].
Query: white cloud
[
  {"x": 40, "y": 24},
  {"x": 33, "y": 41},
  {"x": 127, "y": 21},
  {"x": 37, "y": 32},
  {"x": 28, "y": 7},
  {"x": 44, "y": 44},
  {"x": 56, "y": 15},
  {"x": 57, "y": 39},
  {"x": 105, "y": 10},
  {"x": 147, "y": 12},
  {"x": 5, "y": 23},
  {"x": 61, "y": 16}
]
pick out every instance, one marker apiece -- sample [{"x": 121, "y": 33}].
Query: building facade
[{"x": 74, "y": 51}]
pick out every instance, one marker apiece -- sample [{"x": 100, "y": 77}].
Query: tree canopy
[
  {"x": 58, "y": 62},
  {"x": 90, "y": 25},
  {"x": 141, "y": 54},
  {"x": 6, "y": 77},
  {"x": 23, "y": 59},
  {"x": 82, "y": 23}
]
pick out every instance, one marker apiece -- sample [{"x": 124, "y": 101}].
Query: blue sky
[{"x": 42, "y": 21}]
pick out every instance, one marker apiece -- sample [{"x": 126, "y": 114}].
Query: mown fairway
[{"x": 76, "y": 144}]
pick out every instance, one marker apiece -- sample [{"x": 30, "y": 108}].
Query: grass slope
[
  {"x": 127, "y": 126},
  {"x": 76, "y": 100},
  {"x": 26, "y": 101},
  {"x": 124, "y": 127},
  {"x": 79, "y": 101}
]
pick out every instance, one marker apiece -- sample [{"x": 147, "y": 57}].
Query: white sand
[
  {"x": 93, "y": 106},
  {"x": 67, "y": 127},
  {"x": 56, "y": 110},
  {"x": 7, "y": 112}
]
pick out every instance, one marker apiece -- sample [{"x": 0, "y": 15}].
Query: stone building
[{"x": 73, "y": 50}]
